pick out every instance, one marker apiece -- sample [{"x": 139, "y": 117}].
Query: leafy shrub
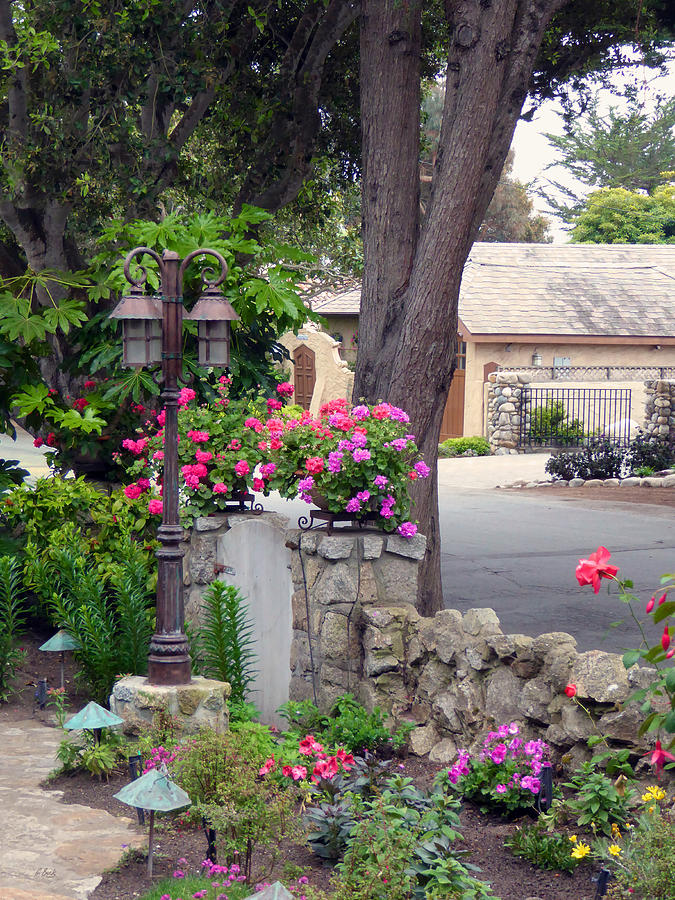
[
  {"x": 464, "y": 446},
  {"x": 222, "y": 647},
  {"x": 12, "y": 620},
  {"x": 547, "y": 851},
  {"x": 83, "y": 752},
  {"x": 303, "y": 716},
  {"x": 597, "y": 799},
  {"x": 220, "y": 772},
  {"x": 600, "y": 459},
  {"x": 550, "y": 424},
  {"x": 647, "y": 451},
  {"x": 36, "y": 512},
  {"x": 109, "y": 613},
  {"x": 329, "y": 825}
]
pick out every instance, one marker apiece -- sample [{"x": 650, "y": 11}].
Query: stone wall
[
  {"x": 660, "y": 409},
  {"x": 355, "y": 628}
]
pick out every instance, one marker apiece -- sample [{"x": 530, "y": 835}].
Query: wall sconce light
[
  {"x": 536, "y": 358},
  {"x": 507, "y": 348},
  {"x": 657, "y": 346}
]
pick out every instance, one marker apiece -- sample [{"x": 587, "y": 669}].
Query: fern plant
[
  {"x": 12, "y": 622},
  {"x": 223, "y": 647}
]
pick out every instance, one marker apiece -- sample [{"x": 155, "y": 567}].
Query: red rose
[{"x": 571, "y": 690}]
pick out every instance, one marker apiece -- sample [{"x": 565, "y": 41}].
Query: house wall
[
  {"x": 333, "y": 377},
  {"x": 348, "y": 327},
  {"x": 479, "y": 354}
]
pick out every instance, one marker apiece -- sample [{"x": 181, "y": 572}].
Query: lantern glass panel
[
  {"x": 214, "y": 343},
  {"x": 142, "y": 342}
]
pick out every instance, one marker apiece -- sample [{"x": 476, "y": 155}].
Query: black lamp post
[{"x": 153, "y": 333}]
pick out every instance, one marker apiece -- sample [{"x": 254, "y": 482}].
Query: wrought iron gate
[{"x": 574, "y": 417}]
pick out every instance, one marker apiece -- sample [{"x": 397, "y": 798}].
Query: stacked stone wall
[
  {"x": 660, "y": 409},
  {"x": 454, "y": 676}
]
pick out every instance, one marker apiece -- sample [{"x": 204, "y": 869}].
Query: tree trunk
[{"x": 408, "y": 320}]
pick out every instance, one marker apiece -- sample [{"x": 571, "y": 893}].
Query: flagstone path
[{"x": 49, "y": 850}]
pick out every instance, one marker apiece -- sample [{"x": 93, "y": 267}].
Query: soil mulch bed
[{"x": 612, "y": 493}]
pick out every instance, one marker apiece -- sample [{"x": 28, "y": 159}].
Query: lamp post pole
[{"x": 169, "y": 658}]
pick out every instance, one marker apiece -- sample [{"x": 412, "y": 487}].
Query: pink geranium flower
[
  {"x": 593, "y": 569},
  {"x": 155, "y": 507},
  {"x": 242, "y": 468},
  {"x": 220, "y": 488}
]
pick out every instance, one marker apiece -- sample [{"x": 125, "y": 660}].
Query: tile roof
[{"x": 570, "y": 289}]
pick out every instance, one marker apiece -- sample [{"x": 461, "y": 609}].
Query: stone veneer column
[
  {"x": 504, "y": 413},
  {"x": 660, "y": 409}
]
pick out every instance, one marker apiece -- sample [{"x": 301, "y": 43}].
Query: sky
[{"x": 533, "y": 153}]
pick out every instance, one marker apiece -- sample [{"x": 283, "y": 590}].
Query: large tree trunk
[{"x": 411, "y": 282}]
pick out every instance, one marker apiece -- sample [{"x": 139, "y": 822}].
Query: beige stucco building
[{"x": 580, "y": 313}]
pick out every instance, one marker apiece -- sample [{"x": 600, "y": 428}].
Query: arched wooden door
[
  {"x": 452, "y": 425},
  {"x": 304, "y": 375}
]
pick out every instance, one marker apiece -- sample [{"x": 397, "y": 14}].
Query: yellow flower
[
  {"x": 654, "y": 792},
  {"x": 614, "y": 849},
  {"x": 580, "y": 850},
  {"x": 628, "y": 825},
  {"x": 651, "y": 809},
  {"x": 573, "y": 838}
]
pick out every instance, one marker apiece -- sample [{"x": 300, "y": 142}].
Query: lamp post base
[{"x": 169, "y": 660}]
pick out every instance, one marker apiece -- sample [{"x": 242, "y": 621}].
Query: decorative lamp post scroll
[{"x": 153, "y": 333}]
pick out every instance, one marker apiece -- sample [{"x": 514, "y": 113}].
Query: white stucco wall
[
  {"x": 333, "y": 377},
  {"x": 255, "y": 547}
]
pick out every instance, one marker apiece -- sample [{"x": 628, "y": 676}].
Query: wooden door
[
  {"x": 452, "y": 425},
  {"x": 304, "y": 375}
]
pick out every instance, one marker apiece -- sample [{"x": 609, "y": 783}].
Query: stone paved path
[{"x": 49, "y": 850}]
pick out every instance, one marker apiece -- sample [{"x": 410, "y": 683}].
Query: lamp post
[{"x": 153, "y": 333}]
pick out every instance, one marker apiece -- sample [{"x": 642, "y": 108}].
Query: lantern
[
  {"x": 141, "y": 328},
  {"x": 213, "y": 313}
]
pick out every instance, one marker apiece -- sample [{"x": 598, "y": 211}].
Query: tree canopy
[
  {"x": 618, "y": 216},
  {"x": 629, "y": 149}
]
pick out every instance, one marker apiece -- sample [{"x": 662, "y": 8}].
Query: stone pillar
[
  {"x": 504, "y": 410},
  {"x": 660, "y": 409}
]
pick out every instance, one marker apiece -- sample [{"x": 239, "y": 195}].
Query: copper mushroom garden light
[{"x": 153, "y": 333}]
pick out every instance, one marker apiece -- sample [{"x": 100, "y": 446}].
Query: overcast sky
[{"x": 533, "y": 153}]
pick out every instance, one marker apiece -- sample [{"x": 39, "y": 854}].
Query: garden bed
[{"x": 511, "y": 878}]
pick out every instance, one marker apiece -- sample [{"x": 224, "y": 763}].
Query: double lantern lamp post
[{"x": 153, "y": 333}]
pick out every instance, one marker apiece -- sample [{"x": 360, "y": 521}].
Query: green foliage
[
  {"x": 220, "y": 773},
  {"x": 550, "y": 425},
  {"x": 648, "y": 869},
  {"x": 348, "y": 725},
  {"x": 191, "y": 885},
  {"x": 108, "y": 612},
  {"x": 464, "y": 446},
  {"x": 600, "y": 459},
  {"x": 649, "y": 451},
  {"x": 329, "y": 826},
  {"x": 617, "y": 216},
  {"x": 628, "y": 148},
  {"x": 11, "y": 474},
  {"x": 81, "y": 751},
  {"x": 222, "y": 648},
  {"x": 547, "y": 851},
  {"x": 12, "y": 622},
  {"x": 597, "y": 801},
  {"x": 36, "y": 511}
]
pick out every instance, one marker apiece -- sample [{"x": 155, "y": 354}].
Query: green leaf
[
  {"x": 663, "y": 611},
  {"x": 630, "y": 658},
  {"x": 670, "y": 680},
  {"x": 32, "y": 398},
  {"x": 669, "y": 722}
]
